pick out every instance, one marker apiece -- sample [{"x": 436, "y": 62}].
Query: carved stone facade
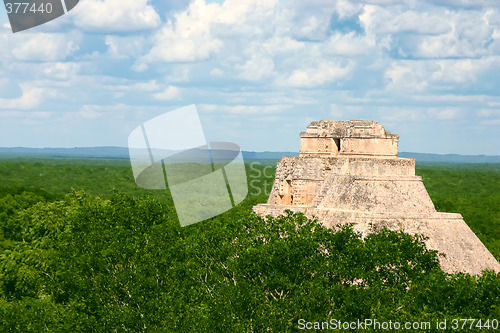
[
  {"x": 348, "y": 138},
  {"x": 349, "y": 172}
]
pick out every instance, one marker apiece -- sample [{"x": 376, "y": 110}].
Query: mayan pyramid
[{"x": 349, "y": 172}]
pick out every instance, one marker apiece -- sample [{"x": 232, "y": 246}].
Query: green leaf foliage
[{"x": 122, "y": 264}]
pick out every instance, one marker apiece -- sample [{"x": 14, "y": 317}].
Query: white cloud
[
  {"x": 487, "y": 113},
  {"x": 200, "y": 32},
  {"x": 32, "y": 115},
  {"x": 417, "y": 22},
  {"x": 406, "y": 77},
  {"x": 435, "y": 32},
  {"x": 425, "y": 75},
  {"x": 407, "y": 63},
  {"x": 147, "y": 86},
  {"x": 188, "y": 38},
  {"x": 98, "y": 111},
  {"x": 349, "y": 45},
  {"x": 244, "y": 109},
  {"x": 466, "y": 3},
  {"x": 245, "y": 17},
  {"x": 347, "y": 8},
  {"x": 490, "y": 122},
  {"x": 401, "y": 114},
  {"x": 325, "y": 72},
  {"x": 259, "y": 58},
  {"x": 61, "y": 70},
  {"x": 115, "y": 15},
  {"x": 90, "y": 112},
  {"x": 344, "y": 112},
  {"x": 256, "y": 68},
  {"x": 313, "y": 26},
  {"x": 179, "y": 73},
  {"x": 281, "y": 45},
  {"x": 457, "y": 71},
  {"x": 469, "y": 37},
  {"x": 125, "y": 47},
  {"x": 170, "y": 93},
  {"x": 38, "y": 46},
  {"x": 31, "y": 97},
  {"x": 140, "y": 86},
  {"x": 172, "y": 46},
  {"x": 449, "y": 113},
  {"x": 389, "y": 20},
  {"x": 4, "y": 84},
  {"x": 217, "y": 72}
]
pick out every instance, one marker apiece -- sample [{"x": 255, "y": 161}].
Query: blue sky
[{"x": 259, "y": 71}]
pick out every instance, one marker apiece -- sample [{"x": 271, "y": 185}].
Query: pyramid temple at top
[{"x": 349, "y": 172}]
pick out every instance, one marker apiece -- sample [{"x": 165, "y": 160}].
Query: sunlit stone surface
[{"x": 349, "y": 172}]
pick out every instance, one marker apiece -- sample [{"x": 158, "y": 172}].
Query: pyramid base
[{"x": 446, "y": 233}]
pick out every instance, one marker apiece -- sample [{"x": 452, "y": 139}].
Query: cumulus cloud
[
  {"x": 26, "y": 116},
  {"x": 401, "y": 114},
  {"x": 344, "y": 112},
  {"x": 199, "y": 32},
  {"x": 434, "y": 32},
  {"x": 470, "y": 37},
  {"x": 90, "y": 112},
  {"x": 256, "y": 68},
  {"x": 141, "y": 86},
  {"x": 38, "y": 46},
  {"x": 31, "y": 97},
  {"x": 397, "y": 61},
  {"x": 349, "y": 45},
  {"x": 60, "y": 70},
  {"x": 97, "y": 111},
  {"x": 488, "y": 113},
  {"x": 325, "y": 72},
  {"x": 179, "y": 73},
  {"x": 115, "y": 15},
  {"x": 170, "y": 93},
  {"x": 447, "y": 113},
  {"x": 187, "y": 38},
  {"x": 125, "y": 47},
  {"x": 386, "y": 20},
  {"x": 466, "y": 3},
  {"x": 311, "y": 26},
  {"x": 416, "y": 76},
  {"x": 245, "y": 109},
  {"x": 462, "y": 71},
  {"x": 407, "y": 77},
  {"x": 490, "y": 122}
]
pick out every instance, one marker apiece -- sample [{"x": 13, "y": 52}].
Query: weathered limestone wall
[
  {"x": 319, "y": 146},
  {"x": 371, "y": 147},
  {"x": 350, "y": 138},
  {"x": 381, "y": 195},
  {"x": 313, "y": 167},
  {"x": 349, "y": 172},
  {"x": 381, "y": 167},
  {"x": 446, "y": 233},
  {"x": 303, "y": 180}
]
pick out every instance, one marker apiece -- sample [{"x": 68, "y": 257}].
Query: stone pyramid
[{"x": 349, "y": 172}]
